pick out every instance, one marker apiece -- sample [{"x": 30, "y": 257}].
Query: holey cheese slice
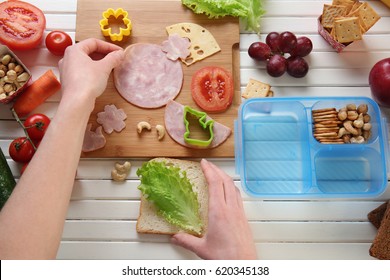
[{"x": 203, "y": 43}]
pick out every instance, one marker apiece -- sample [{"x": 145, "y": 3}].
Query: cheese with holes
[{"x": 203, "y": 43}]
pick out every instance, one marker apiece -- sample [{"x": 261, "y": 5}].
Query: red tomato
[
  {"x": 21, "y": 25},
  {"x": 21, "y": 150},
  {"x": 36, "y": 126},
  {"x": 212, "y": 89},
  {"x": 57, "y": 42}
]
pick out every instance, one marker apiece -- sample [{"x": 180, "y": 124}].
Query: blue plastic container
[{"x": 278, "y": 157}]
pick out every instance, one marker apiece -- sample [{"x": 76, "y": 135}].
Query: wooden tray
[{"x": 149, "y": 19}]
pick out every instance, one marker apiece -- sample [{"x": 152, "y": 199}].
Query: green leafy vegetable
[
  {"x": 171, "y": 192},
  {"x": 249, "y": 11}
]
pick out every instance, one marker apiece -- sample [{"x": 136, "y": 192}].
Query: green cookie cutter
[{"x": 204, "y": 123}]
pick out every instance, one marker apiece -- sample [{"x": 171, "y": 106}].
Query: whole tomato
[
  {"x": 36, "y": 126},
  {"x": 57, "y": 41},
  {"x": 21, "y": 150}
]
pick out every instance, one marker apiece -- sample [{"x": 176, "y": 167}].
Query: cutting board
[{"x": 149, "y": 19}]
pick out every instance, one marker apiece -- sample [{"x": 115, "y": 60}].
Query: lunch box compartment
[
  {"x": 349, "y": 171},
  {"x": 277, "y": 155}
]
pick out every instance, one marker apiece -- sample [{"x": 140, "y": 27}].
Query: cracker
[
  {"x": 330, "y": 12},
  {"x": 348, "y": 30},
  {"x": 203, "y": 43},
  {"x": 348, "y": 4},
  {"x": 256, "y": 88},
  {"x": 367, "y": 15}
]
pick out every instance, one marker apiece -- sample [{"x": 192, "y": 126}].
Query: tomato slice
[
  {"x": 212, "y": 89},
  {"x": 21, "y": 25}
]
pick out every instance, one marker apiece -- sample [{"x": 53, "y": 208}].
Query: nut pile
[
  {"x": 350, "y": 124},
  {"x": 12, "y": 76}
]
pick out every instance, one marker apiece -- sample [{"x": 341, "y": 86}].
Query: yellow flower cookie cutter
[{"x": 106, "y": 29}]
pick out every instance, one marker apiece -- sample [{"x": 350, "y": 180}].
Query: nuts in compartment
[
  {"x": 12, "y": 76},
  {"x": 350, "y": 124}
]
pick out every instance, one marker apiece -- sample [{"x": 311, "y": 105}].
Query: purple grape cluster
[{"x": 276, "y": 46}]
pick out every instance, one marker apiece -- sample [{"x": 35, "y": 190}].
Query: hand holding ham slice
[
  {"x": 175, "y": 127},
  {"x": 147, "y": 78},
  {"x": 93, "y": 140}
]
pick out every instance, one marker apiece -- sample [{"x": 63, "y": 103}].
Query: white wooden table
[{"x": 102, "y": 214}]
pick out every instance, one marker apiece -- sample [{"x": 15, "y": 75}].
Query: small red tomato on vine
[
  {"x": 21, "y": 150},
  {"x": 36, "y": 126}
]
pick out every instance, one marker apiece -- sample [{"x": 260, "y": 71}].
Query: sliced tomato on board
[
  {"x": 21, "y": 25},
  {"x": 212, "y": 89}
]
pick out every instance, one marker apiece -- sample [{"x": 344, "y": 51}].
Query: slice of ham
[
  {"x": 174, "y": 125},
  {"x": 112, "y": 119},
  {"x": 176, "y": 47},
  {"x": 146, "y": 77},
  {"x": 93, "y": 140}
]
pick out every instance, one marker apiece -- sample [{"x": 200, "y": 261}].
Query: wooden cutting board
[{"x": 149, "y": 19}]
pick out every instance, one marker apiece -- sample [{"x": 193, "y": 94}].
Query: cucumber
[{"x": 7, "y": 180}]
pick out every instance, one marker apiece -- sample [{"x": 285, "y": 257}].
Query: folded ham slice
[
  {"x": 174, "y": 124},
  {"x": 93, "y": 140},
  {"x": 146, "y": 77}
]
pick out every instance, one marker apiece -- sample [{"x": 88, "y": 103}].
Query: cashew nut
[
  {"x": 357, "y": 140},
  {"x": 348, "y": 126},
  {"x": 359, "y": 122},
  {"x": 362, "y": 109},
  {"x": 143, "y": 125},
  {"x": 160, "y": 131},
  {"x": 121, "y": 171},
  {"x": 367, "y": 126},
  {"x": 342, "y": 132},
  {"x": 123, "y": 168},
  {"x": 118, "y": 177}
]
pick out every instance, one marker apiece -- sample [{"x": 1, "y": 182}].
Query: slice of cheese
[{"x": 203, "y": 43}]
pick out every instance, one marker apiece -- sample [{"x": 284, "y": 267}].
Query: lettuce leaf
[
  {"x": 249, "y": 11},
  {"x": 168, "y": 188}
]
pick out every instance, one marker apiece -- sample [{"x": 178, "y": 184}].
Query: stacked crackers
[
  {"x": 380, "y": 218},
  {"x": 347, "y": 20}
]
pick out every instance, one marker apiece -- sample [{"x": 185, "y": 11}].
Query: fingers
[
  {"x": 93, "y": 45},
  {"x": 187, "y": 241},
  {"x": 112, "y": 60},
  {"x": 215, "y": 185},
  {"x": 229, "y": 188}
]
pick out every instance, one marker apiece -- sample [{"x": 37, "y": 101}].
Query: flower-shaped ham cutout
[
  {"x": 176, "y": 47},
  {"x": 112, "y": 119},
  {"x": 93, "y": 140}
]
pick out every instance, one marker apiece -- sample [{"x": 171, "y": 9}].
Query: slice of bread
[{"x": 150, "y": 222}]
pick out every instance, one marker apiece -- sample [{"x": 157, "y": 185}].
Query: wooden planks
[{"x": 149, "y": 19}]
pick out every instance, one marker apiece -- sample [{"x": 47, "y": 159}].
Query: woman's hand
[
  {"x": 85, "y": 68},
  {"x": 228, "y": 235}
]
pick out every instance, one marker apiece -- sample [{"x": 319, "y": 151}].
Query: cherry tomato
[
  {"x": 57, "y": 42},
  {"x": 212, "y": 89},
  {"x": 21, "y": 150},
  {"x": 21, "y": 25},
  {"x": 36, "y": 126}
]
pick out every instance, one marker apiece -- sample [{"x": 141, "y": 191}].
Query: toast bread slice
[{"x": 150, "y": 222}]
